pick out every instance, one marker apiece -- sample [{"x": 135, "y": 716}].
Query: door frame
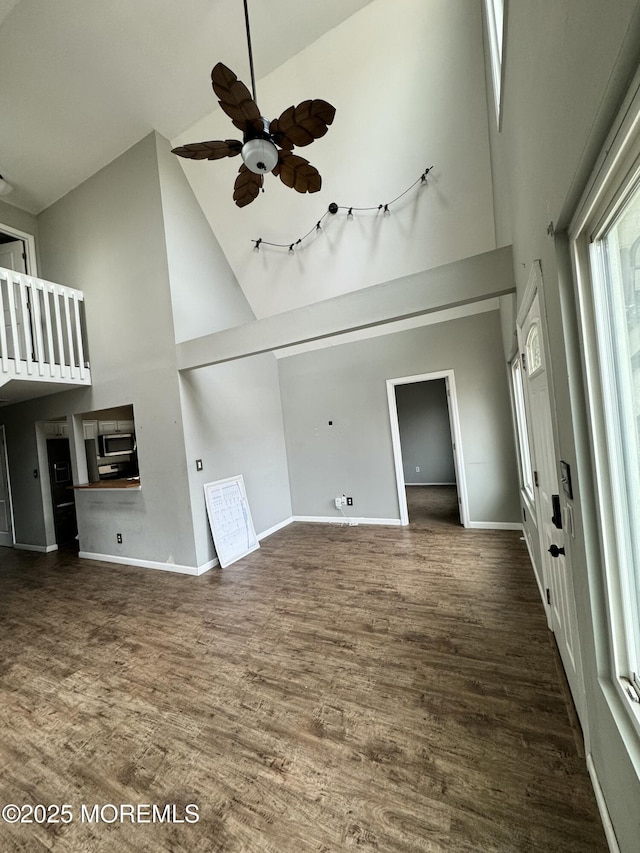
[
  {"x": 456, "y": 440},
  {"x": 4, "y": 461},
  {"x": 535, "y": 287},
  {"x": 30, "y": 246}
]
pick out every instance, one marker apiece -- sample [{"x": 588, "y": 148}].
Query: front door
[
  {"x": 6, "y": 527},
  {"x": 556, "y": 566}
]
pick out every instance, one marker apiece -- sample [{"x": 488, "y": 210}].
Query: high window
[{"x": 496, "y": 19}]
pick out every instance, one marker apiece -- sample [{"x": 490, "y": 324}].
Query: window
[
  {"x": 605, "y": 240},
  {"x": 496, "y": 19},
  {"x": 526, "y": 473},
  {"x": 617, "y": 320},
  {"x": 534, "y": 351}
]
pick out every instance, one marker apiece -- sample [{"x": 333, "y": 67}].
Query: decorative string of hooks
[{"x": 333, "y": 208}]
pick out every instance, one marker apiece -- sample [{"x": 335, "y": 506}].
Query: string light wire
[{"x": 333, "y": 209}]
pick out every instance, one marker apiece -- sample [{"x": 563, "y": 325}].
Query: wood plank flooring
[
  {"x": 342, "y": 688},
  {"x": 433, "y": 507}
]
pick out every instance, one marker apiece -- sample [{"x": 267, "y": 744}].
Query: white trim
[
  {"x": 41, "y": 549},
  {"x": 149, "y": 564},
  {"x": 456, "y": 437},
  {"x": 345, "y": 519},
  {"x": 429, "y": 484},
  {"x": 612, "y": 180},
  {"x": 607, "y": 825},
  {"x": 527, "y": 542},
  {"x": 495, "y": 525},
  {"x": 210, "y": 564},
  {"x": 29, "y": 244},
  {"x": 534, "y": 285},
  {"x": 275, "y": 528}
]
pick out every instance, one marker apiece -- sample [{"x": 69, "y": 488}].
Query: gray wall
[
  {"x": 347, "y": 385},
  {"x": 232, "y": 415},
  {"x": 205, "y": 295},
  {"x": 567, "y": 68},
  {"x": 106, "y": 238},
  {"x": 16, "y": 218},
  {"x": 233, "y": 422},
  {"x": 425, "y": 432}
]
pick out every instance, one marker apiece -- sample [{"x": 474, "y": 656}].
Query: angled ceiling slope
[{"x": 83, "y": 80}]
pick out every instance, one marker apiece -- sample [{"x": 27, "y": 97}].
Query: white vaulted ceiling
[{"x": 82, "y": 80}]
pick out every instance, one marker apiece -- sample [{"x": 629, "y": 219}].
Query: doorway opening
[
  {"x": 427, "y": 450},
  {"x": 17, "y": 250},
  {"x": 6, "y": 509},
  {"x": 62, "y": 494}
]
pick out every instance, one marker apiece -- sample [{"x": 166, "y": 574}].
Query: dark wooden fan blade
[
  {"x": 214, "y": 150},
  {"x": 234, "y": 97},
  {"x": 297, "y": 173},
  {"x": 302, "y": 124},
  {"x": 279, "y": 136},
  {"x": 247, "y": 186}
]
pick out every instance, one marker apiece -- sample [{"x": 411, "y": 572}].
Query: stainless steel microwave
[{"x": 117, "y": 443}]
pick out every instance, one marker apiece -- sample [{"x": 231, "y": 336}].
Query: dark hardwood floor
[
  {"x": 433, "y": 507},
  {"x": 342, "y": 688}
]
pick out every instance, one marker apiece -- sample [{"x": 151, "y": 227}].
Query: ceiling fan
[{"x": 267, "y": 146}]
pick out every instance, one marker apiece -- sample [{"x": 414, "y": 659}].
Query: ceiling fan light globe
[{"x": 259, "y": 155}]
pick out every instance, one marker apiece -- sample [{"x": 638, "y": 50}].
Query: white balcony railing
[{"x": 41, "y": 333}]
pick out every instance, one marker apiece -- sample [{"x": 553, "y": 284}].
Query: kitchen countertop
[{"x": 124, "y": 483}]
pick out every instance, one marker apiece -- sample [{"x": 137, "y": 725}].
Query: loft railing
[{"x": 41, "y": 333}]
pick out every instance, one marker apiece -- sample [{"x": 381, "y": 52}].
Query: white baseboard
[
  {"x": 336, "y": 519},
  {"x": 495, "y": 525},
  {"x": 150, "y": 564},
  {"x": 430, "y": 484},
  {"x": 275, "y": 528},
  {"x": 205, "y": 567},
  {"x": 609, "y": 833},
  {"x": 41, "y": 549}
]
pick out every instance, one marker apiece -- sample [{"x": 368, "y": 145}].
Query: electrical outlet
[
  {"x": 119, "y": 538},
  {"x": 417, "y": 469},
  {"x": 338, "y": 502},
  {"x": 349, "y": 501}
]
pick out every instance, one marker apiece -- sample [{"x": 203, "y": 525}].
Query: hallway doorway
[
  {"x": 433, "y": 507},
  {"x": 62, "y": 494},
  {"x": 427, "y": 450}
]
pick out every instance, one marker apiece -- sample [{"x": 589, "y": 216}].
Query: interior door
[
  {"x": 556, "y": 568},
  {"x": 12, "y": 257},
  {"x": 6, "y": 527}
]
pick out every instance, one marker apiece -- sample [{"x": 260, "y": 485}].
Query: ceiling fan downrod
[{"x": 253, "y": 76}]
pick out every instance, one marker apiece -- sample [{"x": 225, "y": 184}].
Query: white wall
[{"x": 406, "y": 78}]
